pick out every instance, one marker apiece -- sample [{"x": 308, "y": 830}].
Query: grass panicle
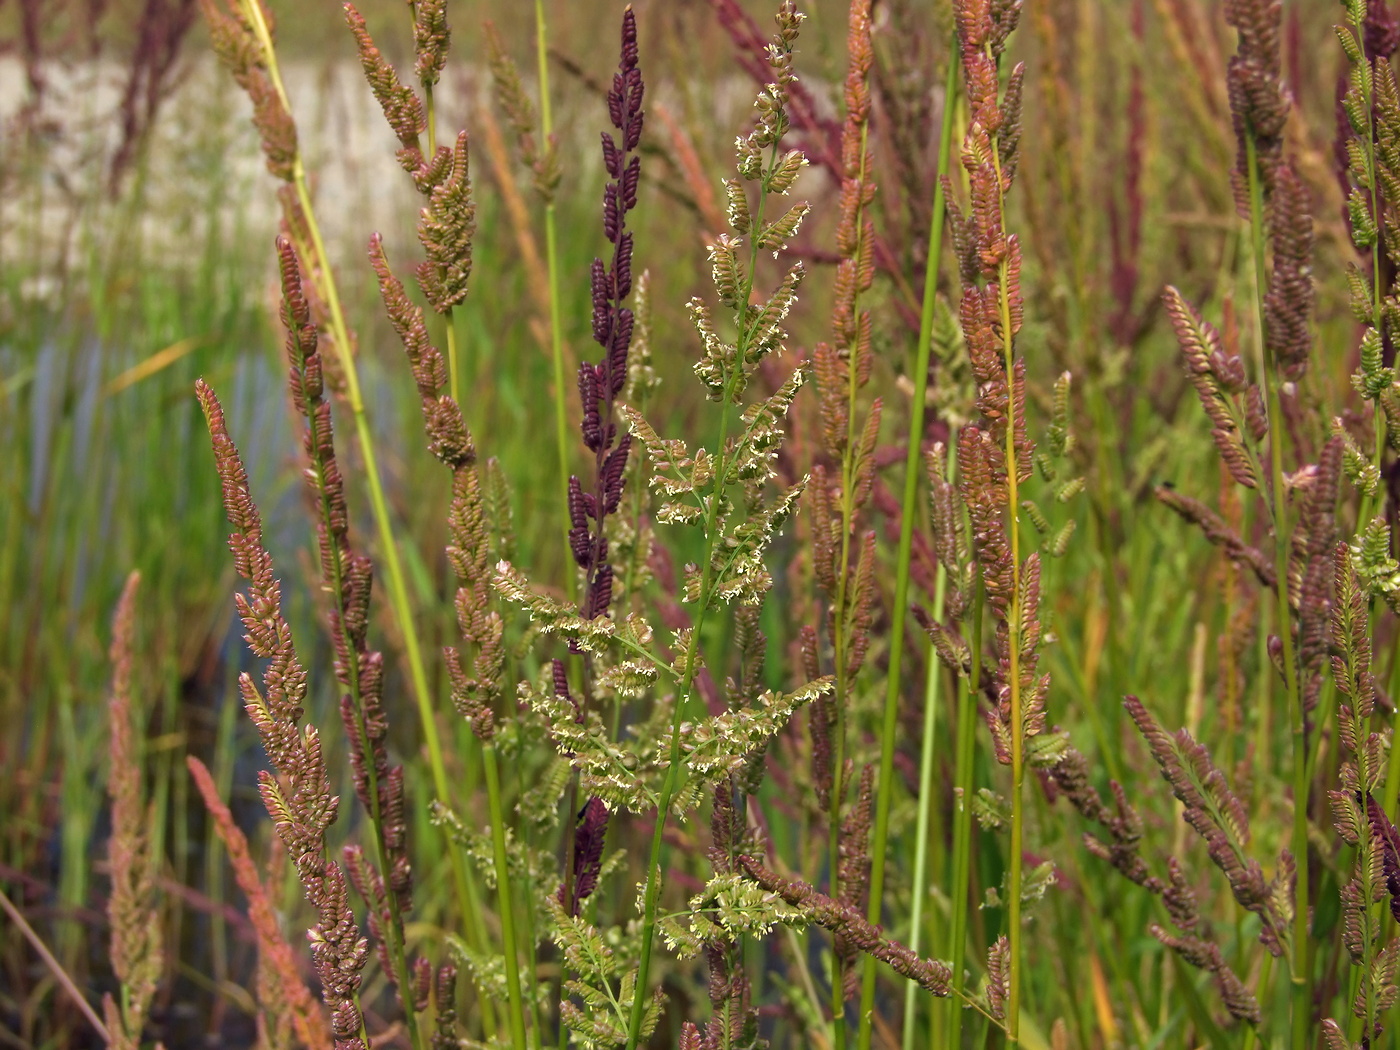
[
  {"x": 298, "y": 798},
  {"x": 137, "y": 955}
]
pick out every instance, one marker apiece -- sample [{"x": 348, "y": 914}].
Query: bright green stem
[
  {"x": 507, "y": 912},
  {"x": 669, "y": 786},
  {"x": 885, "y": 789},
  {"x": 398, "y": 586},
  {"x": 1300, "y": 973},
  {"x": 551, "y": 252},
  {"x": 962, "y": 819},
  {"x": 926, "y": 763}
]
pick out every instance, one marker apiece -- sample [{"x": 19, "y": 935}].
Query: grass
[{"x": 110, "y": 308}]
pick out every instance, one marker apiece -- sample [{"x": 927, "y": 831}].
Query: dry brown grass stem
[{"x": 536, "y": 280}]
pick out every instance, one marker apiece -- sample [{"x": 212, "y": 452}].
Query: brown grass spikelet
[
  {"x": 278, "y": 973},
  {"x": 431, "y": 39},
  {"x": 300, "y": 803},
  {"x": 475, "y": 671},
  {"x": 445, "y": 228},
  {"x": 402, "y": 107},
  {"x": 839, "y": 917},
  {"x": 1288, "y": 304},
  {"x": 347, "y": 576},
  {"x": 1218, "y": 815},
  {"x": 241, "y": 52},
  {"x": 512, "y": 97},
  {"x": 136, "y": 951},
  {"x": 1259, "y": 97},
  {"x": 1215, "y": 374}
]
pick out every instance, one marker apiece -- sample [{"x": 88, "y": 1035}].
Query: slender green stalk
[
  {"x": 551, "y": 252},
  {"x": 1299, "y": 973},
  {"x": 673, "y": 770},
  {"x": 962, "y": 817},
  {"x": 884, "y": 790},
  {"x": 503, "y": 896}
]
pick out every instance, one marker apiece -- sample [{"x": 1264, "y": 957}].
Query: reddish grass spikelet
[
  {"x": 1215, "y": 374},
  {"x": 854, "y": 880},
  {"x": 160, "y": 31},
  {"x": 136, "y": 950},
  {"x": 239, "y": 49},
  {"x": 1218, "y": 531},
  {"x": 1219, "y": 817},
  {"x": 1192, "y": 943},
  {"x": 475, "y": 669},
  {"x": 402, "y": 107},
  {"x": 347, "y": 577},
  {"x": 590, "y": 832},
  {"x": 1259, "y": 97},
  {"x": 1388, "y": 841},
  {"x": 1311, "y": 571},
  {"x": 285, "y": 999},
  {"x": 445, "y": 228},
  {"x": 1288, "y": 304},
  {"x": 300, "y": 802},
  {"x": 431, "y": 39},
  {"x": 445, "y": 1000}
]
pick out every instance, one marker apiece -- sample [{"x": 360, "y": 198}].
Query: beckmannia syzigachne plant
[
  {"x": 301, "y": 811},
  {"x": 383, "y": 879},
  {"x": 298, "y": 794},
  {"x": 1251, "y": 409},
  {"x": 241, "y": 32},
  {"x": 995, "y": 459},
  {"x": 843, "y": 553}
]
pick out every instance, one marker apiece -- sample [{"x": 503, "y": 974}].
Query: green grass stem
[
  {"x": 909, "y": 512},
  {"x": 1300, "y": 977},
  {"x": 963, "y": 774},
  {"x": 503, "y": 895},
  {"x": 556, "y": 327}
]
